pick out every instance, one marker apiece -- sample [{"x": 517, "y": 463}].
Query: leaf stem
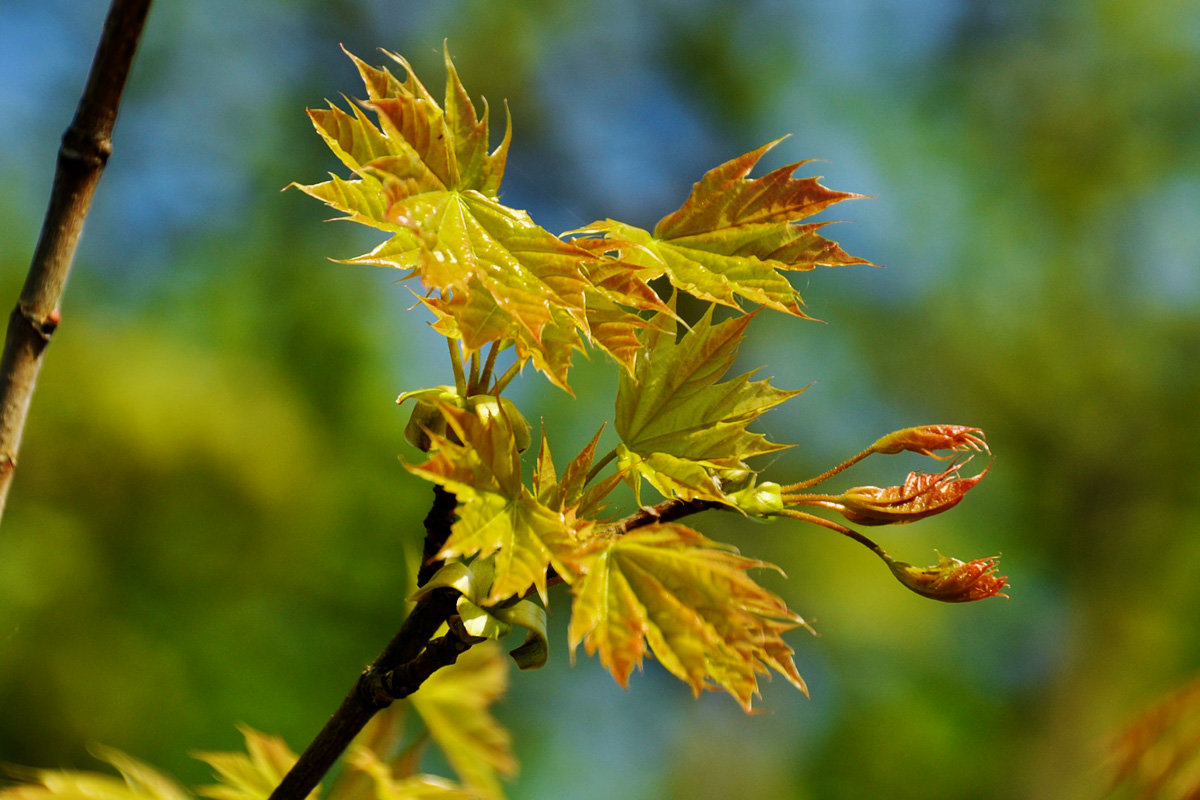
[
  {"x": 599, "y": 465},
  {"x": 824, "y": 476},
  {"x": 460, "y": 378},
  {"x": 804, "y": 516},
  {"x": 473, "y": 375},
  {"x": 489, "y": 365},
  {"x": 506, "y": 378}
]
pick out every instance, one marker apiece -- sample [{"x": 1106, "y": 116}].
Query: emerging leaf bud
[
  {"x": 925, "y": 439},
  {"x": 951, "y": 580},
  {"x": 921, "y": 495},
  {"x": 763, "y": 500},
  {"x": 427, "y": 416}
]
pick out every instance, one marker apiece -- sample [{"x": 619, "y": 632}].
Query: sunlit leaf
[
  {"x": 733, "y": 235},
  {"x": 496, "y": 513},
  {"x": 138, "y": 781},
  {"x": 667, "y": 590},
  {"x": 489, "y": 273},
  {"x": 679, "y": 421},
  {"x": 473, "y": 582},
  {"x": 670, "y": 475},
  {"x": 252, "y": 775},
  {"x": 571, "y": 494},
  {"x": 454, "y": 703},
  {"x": 413, "y": 787}
]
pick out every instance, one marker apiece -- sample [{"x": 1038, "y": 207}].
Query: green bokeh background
[{"x": 210, "y": 524}]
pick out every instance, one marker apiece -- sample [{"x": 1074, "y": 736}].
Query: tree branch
[
  {"x": 369, "y": 695},
  {"x": 409, "y": 658},
  {"x": 86, "y": 146}
]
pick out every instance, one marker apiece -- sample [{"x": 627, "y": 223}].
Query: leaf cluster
[
  {"x": 495, "y": 283},
  {"x": 452, "y": 707}
]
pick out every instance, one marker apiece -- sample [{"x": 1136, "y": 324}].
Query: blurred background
[{"x": 210, "y": 524}]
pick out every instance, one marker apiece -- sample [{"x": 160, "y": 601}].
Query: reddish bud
[
  {"x": 921, "y": 495},
  {"x": 925, "y": 439},
  {"x": 951, "y": 580}
]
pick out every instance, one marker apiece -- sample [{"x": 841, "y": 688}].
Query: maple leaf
[
  {"x": 454, "y": 704},
  {"x": 413, "y": 787},
  {"x": 490, "y": 273},
  {"x": 570, "y": 493},
  {"x": 497, "y": 514},
  {"x": 138, "y": 781},
  {"x": 732, "y": 236},
  {"x": 252, "y": 775},
  {"x": 679, "y": 420},
  {"x": 666, "y": 589}
]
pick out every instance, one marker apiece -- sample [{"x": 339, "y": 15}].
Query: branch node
[
  {"x": 42, "y": 326},
  {"x": 90, "y": 149}
]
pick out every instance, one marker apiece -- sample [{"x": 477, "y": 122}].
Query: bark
[{"x": 85, "y": 149}]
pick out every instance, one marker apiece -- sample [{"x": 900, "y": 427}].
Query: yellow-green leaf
[
  {"x": 252, "y": 775},
  {"x": 675, "y": 405},
  {"x": 670, "y": 475},
  {"x": 413, "y": 787},
  {"x": 138, "y": 781},
  {"x": 497, "y": 514},
  {"x": 454, "y": 703},
  {"x": 425, "y": 176},
  {"x": 733, "y": 235},
  {"x": 668, "y": 590}
]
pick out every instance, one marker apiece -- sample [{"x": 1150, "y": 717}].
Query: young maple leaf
[
  {"x": 454, "y": 703},
  {"x": 666, "y": 589},
  {"x": 677, "y": 419},
  {"x": 425, "y": 177},
  {"x": 138, "y": 781},
  {"x": 496, "y": 512},
  {"x": 733, "y": 235},
  {"x": 251, "y": 775},
  {"x": 570, "y": 493}
]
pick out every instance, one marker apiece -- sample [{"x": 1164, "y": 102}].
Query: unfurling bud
[
  {"x": 763, "y": 500},
  {"x": 925, "y": 439},
  {"x": 921, "y": 495},
  {"x": 427, "y": 416},
  {"x": 951, "y": 580}
]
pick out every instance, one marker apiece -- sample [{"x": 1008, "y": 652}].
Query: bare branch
[{"x": 85, "y": 149}]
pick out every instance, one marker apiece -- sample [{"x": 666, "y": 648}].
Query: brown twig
[
  {"x": 398, "y": 671},
  {"x": 85, "y": 149},
  {"x": 413, "y": 655}
]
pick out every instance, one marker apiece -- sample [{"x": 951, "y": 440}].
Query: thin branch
[
  {"x": 437, "y": 530},
  {"x": 403, "y": 665},
  {"x": 865, "y": 541},
  {"x": 366, "y": 698},
  {"x": 666, "y": 511},
  {"x": 86, "y": 147}
]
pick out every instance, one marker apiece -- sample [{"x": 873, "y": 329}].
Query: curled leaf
[
  {"x": 427, "y": 416},
  {"x": 951, "y": 580},
  {"x": 925, "y": 439},
  {"x": 762, "y": 500},
  {"x": 473, "y": 582},
  {"x": 921, "y": 495}
]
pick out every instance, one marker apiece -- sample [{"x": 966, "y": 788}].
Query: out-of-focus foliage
[
  {"x": 224, "y": 553},
  {"x": 1158, "y": 754},
  {"x": 453, "y": 705},
  {"x": 491, "y": 277}
]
